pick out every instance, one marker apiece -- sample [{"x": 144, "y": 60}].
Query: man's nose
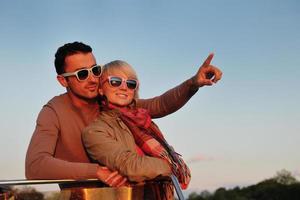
[{"x": 93, "y": 78}]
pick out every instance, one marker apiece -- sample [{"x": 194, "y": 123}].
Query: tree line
[{"x": 283, "y": 186}]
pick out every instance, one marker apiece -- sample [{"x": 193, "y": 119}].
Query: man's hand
[
  {"x": 207, "y": 73},
  {"x": 113, "y": 179}
]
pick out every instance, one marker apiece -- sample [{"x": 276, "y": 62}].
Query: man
[{"x": 56, "y": 150}]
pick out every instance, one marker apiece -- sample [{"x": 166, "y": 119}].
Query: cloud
[{"x": 199, "y": 158}]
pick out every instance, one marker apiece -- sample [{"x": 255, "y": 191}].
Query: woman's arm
[
  {"x": 170, "y": 101},
  {"x": 107, "y": 150}
]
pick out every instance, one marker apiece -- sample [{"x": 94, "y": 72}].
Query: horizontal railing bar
[{"x": 33, "y": 182}]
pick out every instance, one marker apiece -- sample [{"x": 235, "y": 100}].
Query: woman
[{"x": 124, "y": 138}]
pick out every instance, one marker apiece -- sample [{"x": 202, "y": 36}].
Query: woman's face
[{"x": 116, "y": 93}]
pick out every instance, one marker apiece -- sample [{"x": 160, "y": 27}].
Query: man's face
[{"x": 87, "y": 89}]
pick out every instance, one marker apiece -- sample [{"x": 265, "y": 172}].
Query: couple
[{"x": 57, "y": 151}]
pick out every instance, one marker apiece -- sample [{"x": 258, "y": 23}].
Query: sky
[{"x": 238, "y": 132}]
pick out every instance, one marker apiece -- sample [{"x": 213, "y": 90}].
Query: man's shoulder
[
  {"x": 58, "y": 107},
  {"x": 59, "y": 104},
  {"x": 59, "y": 101}
]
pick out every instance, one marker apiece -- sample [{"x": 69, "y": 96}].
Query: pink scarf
[{"x": 151, "y": 141}]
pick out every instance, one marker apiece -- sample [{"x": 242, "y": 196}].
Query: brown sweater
[{"x": 56, "y": 150}]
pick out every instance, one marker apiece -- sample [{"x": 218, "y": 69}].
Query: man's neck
[
  {"x": 87, "y": 109},
  {"x": 82, "y": 103}
]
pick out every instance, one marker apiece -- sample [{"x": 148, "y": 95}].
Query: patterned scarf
[{"x": 149, "y": 138}]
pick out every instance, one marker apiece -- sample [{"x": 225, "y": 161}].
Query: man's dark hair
[{"x": 67, "y": 50}]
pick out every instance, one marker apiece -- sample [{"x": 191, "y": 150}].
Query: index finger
[{"x": 208, "y": 60}]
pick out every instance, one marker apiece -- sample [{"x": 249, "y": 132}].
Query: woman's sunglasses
[
  {"x": 115, "y": 81},
  {"x": 84, "y": 74}
]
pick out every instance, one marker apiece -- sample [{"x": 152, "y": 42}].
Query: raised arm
[{"x": 175, "y": 98}]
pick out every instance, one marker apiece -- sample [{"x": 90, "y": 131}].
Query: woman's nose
[{"x": 123, "y": 85}]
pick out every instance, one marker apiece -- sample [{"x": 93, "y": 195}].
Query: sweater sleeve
[
  {"x": 40, "y": 161},
  {"x": 107, "y": 150},
  {"x": 170, "y": 101}
]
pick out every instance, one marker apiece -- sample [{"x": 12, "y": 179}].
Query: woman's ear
[
  {"x": 62, "y": 80},
  {"x": 136, "y": 93}
]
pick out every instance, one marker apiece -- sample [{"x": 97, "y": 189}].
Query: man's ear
[{"x": 62, "y": 80}]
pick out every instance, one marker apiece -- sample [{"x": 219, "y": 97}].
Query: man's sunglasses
[
  {"x": 84, "y": 74},
  {"x": 115, "y": 81}
]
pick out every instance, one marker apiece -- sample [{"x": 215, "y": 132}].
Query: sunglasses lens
[
  {"x": 96, "y": 70},
  {"x": 83, "y": 74},
  {"x": 115, "y": 81},
  {"x": 131, "y": 84}
]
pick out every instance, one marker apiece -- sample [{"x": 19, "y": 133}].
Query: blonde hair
[{"x": 120, "y": 66}]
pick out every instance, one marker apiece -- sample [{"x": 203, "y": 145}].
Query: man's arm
[
  {"x": 40, "y": 160},
  {"x": 177, "y": 97},
  {"x": 41, "y": 163}
]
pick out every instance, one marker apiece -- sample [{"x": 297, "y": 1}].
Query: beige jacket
[{"x": 109, "y": 141}]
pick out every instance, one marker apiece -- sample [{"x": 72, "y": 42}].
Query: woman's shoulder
[{"x": 105, "y": 120}]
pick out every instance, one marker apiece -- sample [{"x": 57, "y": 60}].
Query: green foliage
[
  {"x": 281, "y": 187},
  {"x": 285, "y": 177},
  {"x": 195, "y": 196},
  {"x": 28, "y": 193}
]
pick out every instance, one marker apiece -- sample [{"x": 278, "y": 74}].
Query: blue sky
[{"x": 238, "y": 132}]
